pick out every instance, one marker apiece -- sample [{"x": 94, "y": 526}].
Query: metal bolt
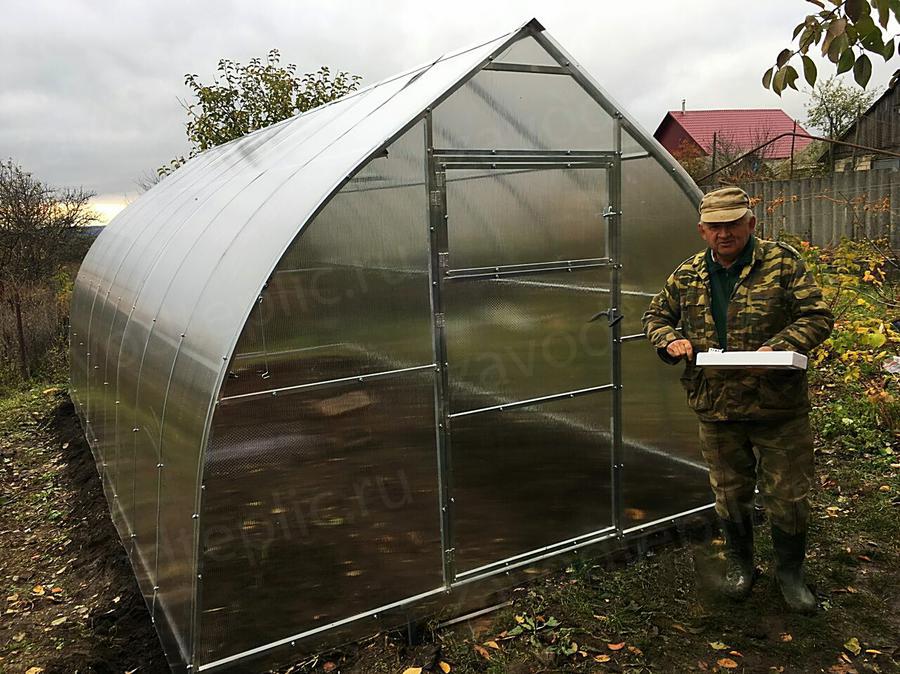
[{"x": 195, "y": 516}]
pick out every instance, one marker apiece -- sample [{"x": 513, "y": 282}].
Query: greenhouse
[{"x": 376, "y": 361}]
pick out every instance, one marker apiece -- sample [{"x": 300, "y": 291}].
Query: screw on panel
[
  {"x": 135, "y": 430},
  {"x": 159, "y": 465},
  {"x": 194, "y": 516}
]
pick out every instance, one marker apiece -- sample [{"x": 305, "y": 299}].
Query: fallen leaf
[
  {"x": 492, "y": 644},
  {"x": 34, "y": 670},
  {"x": 736, "y": 654},
  {"x": 482, "y": 651},
  {"x": 38, "y": 590},
  {"x": 18, "y": 637},
  {"x": 727, "y": 663},
  {"x": 635, "y": 650},
  {"x": 520, "y": 619},
  {"x": 787, "y": 637},
  {"x": 116, "y": 600},
  {"x": 719, "y": 646},
  {"x": 864, "y": 558},
  {"x": 56, "y": 590},
  {"x": 874, "y": 651},
  {"x": 616, "y": 647},
  {"x": 601, "y": 618},
  {"x": 329, "y": 666},
  {"x": 58, "y": 621},
  {"x": 603, "y": 657},
  {"x": 445, "y": 668},
  {"x": 413, "y": 670},
  {"x": 13, "y": 597},
  {"x": 884, "y": 487},
  {"x": 852, "y": 645}
]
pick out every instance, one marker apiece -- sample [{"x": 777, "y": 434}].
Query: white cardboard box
[{"x": 778, "y": 360}]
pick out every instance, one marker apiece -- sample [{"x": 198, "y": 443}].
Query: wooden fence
[{"x": 855, "y": 204}]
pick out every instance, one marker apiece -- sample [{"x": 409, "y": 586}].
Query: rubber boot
[
  {"x": 739, "y": 575},
  {"x": 790, "y": 551}
]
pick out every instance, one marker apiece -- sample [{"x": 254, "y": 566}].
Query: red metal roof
[{"x": 744, "y": 129}]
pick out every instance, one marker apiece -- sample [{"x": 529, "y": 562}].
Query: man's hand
[
  {"x": 679, "y": 348},
  {"x": 765, "y": 348}
]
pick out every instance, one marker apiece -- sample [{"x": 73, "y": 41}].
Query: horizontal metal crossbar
[
  {"x": 634, "y": 338},
  {"x": 526, "y": 269},
  {"x": 582, "y": 154},
  {"x": 519, "y": 163},
  {"x": 527, "y": 68},
  {"x": 324, "y": 384},
  {"x": 532, "y": 401},
  {"x": 534, "y": 556}
]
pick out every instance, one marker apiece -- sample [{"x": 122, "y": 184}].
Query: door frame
[{"x": 439, "y": 161}]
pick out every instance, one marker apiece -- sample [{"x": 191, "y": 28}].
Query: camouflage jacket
[{"x": 775, "y": 302}]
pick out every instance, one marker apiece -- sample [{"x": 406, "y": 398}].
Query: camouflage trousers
[{"x": 775, "y": 455}]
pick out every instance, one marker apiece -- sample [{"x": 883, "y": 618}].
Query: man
[{"x": 743, "y": 294}]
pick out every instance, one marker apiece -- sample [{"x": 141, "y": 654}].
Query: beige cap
[{"x": 724, "y": 205}]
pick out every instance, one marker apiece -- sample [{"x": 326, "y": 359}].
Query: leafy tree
[
  {"x": 40, "y": 230},
  {"x": 845, "y": 30},
  {"x": 834, "y": 106},
  {"x": 244, "y": 98}
]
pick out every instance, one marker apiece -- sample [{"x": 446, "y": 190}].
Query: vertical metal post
[
  {"x": 614, "y": 237},
  {"x": 793, "y": 138},
  {"x": 435, "y": 180}
]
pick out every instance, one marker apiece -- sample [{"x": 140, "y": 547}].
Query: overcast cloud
[{"x": 89, "y": 90}]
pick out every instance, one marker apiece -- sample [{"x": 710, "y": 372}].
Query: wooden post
[{"x": 793, "y": 138}]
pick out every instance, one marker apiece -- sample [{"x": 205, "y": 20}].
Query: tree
[
  {"x": 833, "y": 106},
  {"x": 39, "y": 227},
  {"x": 846, "y": 30},
  {"x": 244, "y": 98}
]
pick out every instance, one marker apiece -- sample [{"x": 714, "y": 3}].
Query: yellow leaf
[
  {"x": 635, "y": 650},
  {"x": 853, "y": 646},
  {"x": 38, "y": 590},
  {"x": 12, "y": 598},
  {"x": 602, "y": 658},
  {"x": 492, "y": 644},
  {"x": 482, "y": 651},
  {"x": 58, "y": 621},
  {"x": 787, "y": 637},
  {"x": 413, "y": 670},
  {"x": 445, "y": 668},
  {"x": 616, "y": 647},
  {"x": 34, "y": 670},
  {"x": 736, "y": 654},
  {"x": 727, "y": 663},
  {"x": 874, "y": 651},
  {"x": 719, "y": 646},
  {"x": 520, "y": 619}
]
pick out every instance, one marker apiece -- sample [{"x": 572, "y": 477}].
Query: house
[
  {"x": 878, "y": 127},
  {"x": 690, "y": 134}
]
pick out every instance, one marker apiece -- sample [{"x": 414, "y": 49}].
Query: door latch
[{"x": 612, "y": 316}]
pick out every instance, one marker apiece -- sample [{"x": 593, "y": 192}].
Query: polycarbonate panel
[
  {"x": 498, "y": 217},
  {"x": 318, "y": 506},
  {"x": 526, "y": 51},
  {"x": 659, "y": 225},
  {"x": 664, "y": 472},
  {"x": 530, "y": 477},
  {"x": 519, "y": 338},
  {"x": 351, "y": 294},
  {"x": 531, "y": 111}
]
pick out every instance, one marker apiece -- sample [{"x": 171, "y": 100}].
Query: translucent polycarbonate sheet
[
  {"x": 501, "y": 217},
  {"x": 319, "y": 505},
  {"x": 351, "y": 295},
  {"x": 659, "y": 224},
  {"x": 664, "y": 472},
  {"x": 526, "y": 51},
  {"x": 632, "y": 307},
  {"x": 513, "y": 339},
  {"x": 530, "y": 477},
  {"x": 513, "y": 110}
]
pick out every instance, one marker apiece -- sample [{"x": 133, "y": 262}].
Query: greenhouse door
[{"x": 526, "y": 324}]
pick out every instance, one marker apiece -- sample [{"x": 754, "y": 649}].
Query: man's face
[{"x": 727, "y": 239}]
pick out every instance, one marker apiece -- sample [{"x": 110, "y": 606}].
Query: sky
[{"x": 91, "y": 91}]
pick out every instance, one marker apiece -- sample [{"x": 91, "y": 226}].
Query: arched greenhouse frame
[{"x": 376, "y": 360}]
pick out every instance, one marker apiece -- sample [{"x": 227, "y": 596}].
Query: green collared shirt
[{"x": 721, "y": 285}]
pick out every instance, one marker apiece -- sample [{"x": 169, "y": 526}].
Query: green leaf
[
  {"x": 778, "y": 81},
  {"x": 837, "y": 48},
  {"x": 854, "y": 9},
  {"x": 790, "y": 77},
  {"x": 846, "y": 61},
  {"x": 835, "y": 29},
  {"x": 783, "y": 57},
  {"x": 809, "y": 70},
  {"x": 884, "y": 14},
  {"x": 862, "y": 70},
  {"x": 800, "y": 26},
  {"x": 767, "y": 77},
  {"x": 888, "y": 52},
  {"x": 865, "y": 26},
  {"x": 817, "y": 3},
  {"x": 852, "y": 645}
]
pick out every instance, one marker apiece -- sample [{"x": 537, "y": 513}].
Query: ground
[{"x": 70, "y": 603}]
